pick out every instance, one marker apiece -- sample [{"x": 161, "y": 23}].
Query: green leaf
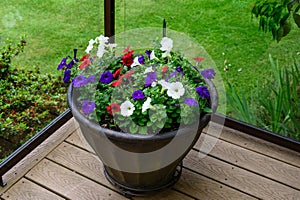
[
  {"x": 133, "y": 129},
  {"x": 297, "y": 19}
]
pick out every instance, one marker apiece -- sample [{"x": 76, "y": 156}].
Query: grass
[{"x": 53, "y": 28}]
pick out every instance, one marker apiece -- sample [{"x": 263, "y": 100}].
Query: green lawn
[{"x": 54, "y": 27}]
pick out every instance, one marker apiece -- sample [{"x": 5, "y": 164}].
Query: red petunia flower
[
  {"x": 113, "y": 108},
  {"x": 85, "y": 57},
  {"x": 126, "y": 50},
  {"x": 198, "y": 60},
  {"x": 127, "y": 59},
  {"x": 119, "y": 81},
  {"x": 117, "y": 72},
  {"x": 164, "y": 69},
  {"x": 85, "y": 63}
]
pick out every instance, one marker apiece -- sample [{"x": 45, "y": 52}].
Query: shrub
[{"x": 29, "y": 100}]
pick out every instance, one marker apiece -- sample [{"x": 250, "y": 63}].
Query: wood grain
[
  {"x": 253, "y": 143},
  {"x": 89, "y": 165},
  {"x": 258, "y": 163},
  {"x": 27, "y": 190},
  {"x": 201, "y": 187},
  {"x": 79, "y": 161},
  {"x": 239, "y": 178},
  {"x": 78, "y": 139},
  {"x": 37, "y": 154},
  {"x": 166, "y": 195},
  {"x": 68, "y": 183}
]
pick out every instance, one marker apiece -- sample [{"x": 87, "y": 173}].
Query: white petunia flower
[
  {"x": 127, "y": 108},
  {"x": 111, "y": 46},
  {"x": 152, "y": 55},
  {"x": 146, "y": 104},
  {"x": 175, "y": 90},
  {"x": 166, "y": 46},
  {"x": 147, "y": 70},
  {"x": 153, "y": 84},
  {"x": 101, "y": 39},
  {"x": 101, "y": 50},
  {"x": 164, "y": 84},
  {"x": 90, "y": 46},
  {"x": 135, "y": 62}
]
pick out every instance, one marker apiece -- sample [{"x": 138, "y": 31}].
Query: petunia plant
[{"x": 146, "y": 93}]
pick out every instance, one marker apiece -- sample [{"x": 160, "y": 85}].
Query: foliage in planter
[
  {"x": 155, "y": 91},
  {"x": 274, "y": 107},
  {"x": 276, "y": 15}
]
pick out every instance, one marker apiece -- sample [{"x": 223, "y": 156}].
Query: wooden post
[{"x": 109, "y": 19}]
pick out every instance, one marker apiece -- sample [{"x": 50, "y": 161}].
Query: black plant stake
[{"x": 164, "y": 28}]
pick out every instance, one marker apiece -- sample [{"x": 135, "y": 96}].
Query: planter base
[{"x": 146, "y": 191}]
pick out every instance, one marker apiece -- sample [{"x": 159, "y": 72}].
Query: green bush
[
  {"x": 29, "y": 101},
  {"x": 274, "y": 107}
]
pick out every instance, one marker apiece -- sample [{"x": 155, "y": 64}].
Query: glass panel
[
  {"x": 52, "y": 29},
  {"x": 243, "y": 54}
]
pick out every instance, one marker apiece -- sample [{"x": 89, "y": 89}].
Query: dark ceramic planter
[{"x": 140, "y": 165}]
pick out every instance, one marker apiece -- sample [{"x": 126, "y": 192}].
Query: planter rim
[{"x": 127, "y": 136}]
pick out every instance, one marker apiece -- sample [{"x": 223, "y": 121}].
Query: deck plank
[
  {"x": 21, "y": 168},
  {"x": 252, "y": 161},
  {"x": 202, "y": 187},
  {"x": 253, "y": 143},
  {"x": 78, "y": 139},
  {"x": 79, "y": 161},
  {"x": 239, "y": 178},
  {"x": 27, "y": 190},
  {"x": 68, "y": 183}
]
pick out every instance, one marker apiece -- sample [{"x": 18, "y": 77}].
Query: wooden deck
[{"x": 237, "y": 166}]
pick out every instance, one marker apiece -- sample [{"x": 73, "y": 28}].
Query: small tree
[{"x": 277, "y": 16}]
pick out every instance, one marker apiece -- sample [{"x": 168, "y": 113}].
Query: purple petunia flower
[
  {"x": 80, "y": 81},
  {"x": 91, "y": 79},
  {"x": 190, "y": 102},
  {"x": 141, "y": 59},
  {"x": 150, "y": 78},
  {"x": 172, "y": 74},
  {"x": 106, "y": 77},
  {"x": 67, "y": 76},
  {"x": 73, "y": 61},
  {"x": 88, "y": 107},
  {"x": 203, "y": 92},
  {"x": 208, "y": 73},
  {"x": 179, "y": 69},
  {"x": 70, "y": 64},
  {"x": 148, "y": 52},
  {"x": 138, "y": 94},
  {"x": 62, "y": 63}
]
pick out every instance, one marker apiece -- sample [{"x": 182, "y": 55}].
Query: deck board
[
  {"x": 252, "y": 161},
  {"x": 230, "y": 165},
  {"x": 254, "y": 144},
  {"x": 25, "y": 189}
]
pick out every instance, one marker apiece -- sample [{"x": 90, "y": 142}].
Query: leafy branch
[{"x": 276, "y": 16}]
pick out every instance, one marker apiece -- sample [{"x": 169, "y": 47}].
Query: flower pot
[{"x": 141, "y": 164}]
